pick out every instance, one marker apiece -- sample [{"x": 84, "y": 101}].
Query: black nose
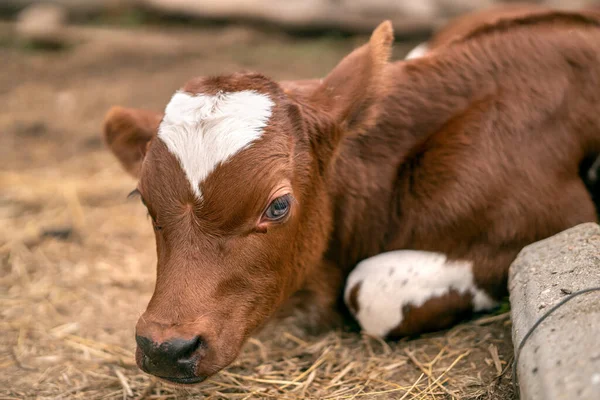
[{"x": 173, "y": 359}]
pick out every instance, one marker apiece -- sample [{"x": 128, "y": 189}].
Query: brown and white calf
[{"x": 417, "y": 181}]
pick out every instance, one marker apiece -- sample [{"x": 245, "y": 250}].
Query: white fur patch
[
  {"x": 418, "y": 51},
  {"x": 203, "y": 131},
  {"x": 392, "y": 280}
]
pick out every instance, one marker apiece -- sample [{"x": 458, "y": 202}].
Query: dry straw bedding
[
  {"x": 77, "y": 263},
  {"x": 77, "y": 258}
]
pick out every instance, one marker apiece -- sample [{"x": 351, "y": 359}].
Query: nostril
[
  {"x": 145, "y": 344},
  {"x": 181, "y": 348},
  {"x": 170, "y": 351}
]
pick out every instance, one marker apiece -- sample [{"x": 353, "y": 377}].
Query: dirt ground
[{"x": 77, "y": 258}]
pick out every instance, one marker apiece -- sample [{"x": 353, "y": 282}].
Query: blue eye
[{"x": 278, "y": 208}]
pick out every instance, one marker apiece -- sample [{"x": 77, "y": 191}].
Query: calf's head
[{"x": 234, "y": 176}]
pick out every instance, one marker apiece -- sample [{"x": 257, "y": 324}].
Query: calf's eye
[{"x": 278, "y": 208}]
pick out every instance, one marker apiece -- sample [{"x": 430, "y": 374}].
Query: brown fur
[
  {"x": 433, "y": 315},
  {"x": 505, "y": 16},
  {"x": 353, "y": 304},
  {"x": 462, "y": 26},
  {"x": 127, "y": 132},
  {"x": 473, "y": 152}
]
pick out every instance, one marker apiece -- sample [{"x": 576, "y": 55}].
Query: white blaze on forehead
[
  {"x": 203, "y": 131},
  {"x": 390, "y": 281}
]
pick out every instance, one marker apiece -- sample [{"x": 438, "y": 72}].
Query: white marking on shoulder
[
  {"x": 418, "y": 51},
  {"x": 203, "y": 131},
  {"x": 389, "y": 281}
]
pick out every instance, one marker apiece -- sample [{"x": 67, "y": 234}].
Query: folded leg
[{"x": 406, "y": 292}]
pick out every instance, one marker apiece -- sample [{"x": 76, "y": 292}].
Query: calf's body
[
  {"x": 462, "y": 157},
  {"x": 478, "y": 157}
]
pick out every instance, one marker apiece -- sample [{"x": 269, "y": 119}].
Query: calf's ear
[
  {"x": 128, "y": 132},
  {"x": 352, "y": 91}
]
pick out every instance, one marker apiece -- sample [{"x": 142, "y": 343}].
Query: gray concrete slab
[{"x": 561, "y": 359}]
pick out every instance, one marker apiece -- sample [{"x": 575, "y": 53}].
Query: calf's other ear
[
  {"x": 128, "y": 132},
  {"x": 352, "y": 91}
]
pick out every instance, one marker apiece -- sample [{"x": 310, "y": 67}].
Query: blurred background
[
  {"x": 77, "y": 259},
  {"x": 166, "y": 42},
  {"x": 353, "y": 16}
]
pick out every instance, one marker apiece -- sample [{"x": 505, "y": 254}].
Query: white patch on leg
[
  {"x": 418, "y": 51},
  {"x": 203, "y": 131},
  {"x": 392, "y": 280}
]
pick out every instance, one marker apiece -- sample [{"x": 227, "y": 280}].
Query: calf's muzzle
[{"x": 173, "y": 358}]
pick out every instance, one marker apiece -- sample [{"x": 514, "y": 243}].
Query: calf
[{"x": 264, "y": 194}]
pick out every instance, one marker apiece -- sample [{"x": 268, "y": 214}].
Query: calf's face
[{"x": 233, "y": 175}]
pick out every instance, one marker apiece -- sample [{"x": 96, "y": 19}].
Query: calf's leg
[{"x": 407, "y": 292}]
